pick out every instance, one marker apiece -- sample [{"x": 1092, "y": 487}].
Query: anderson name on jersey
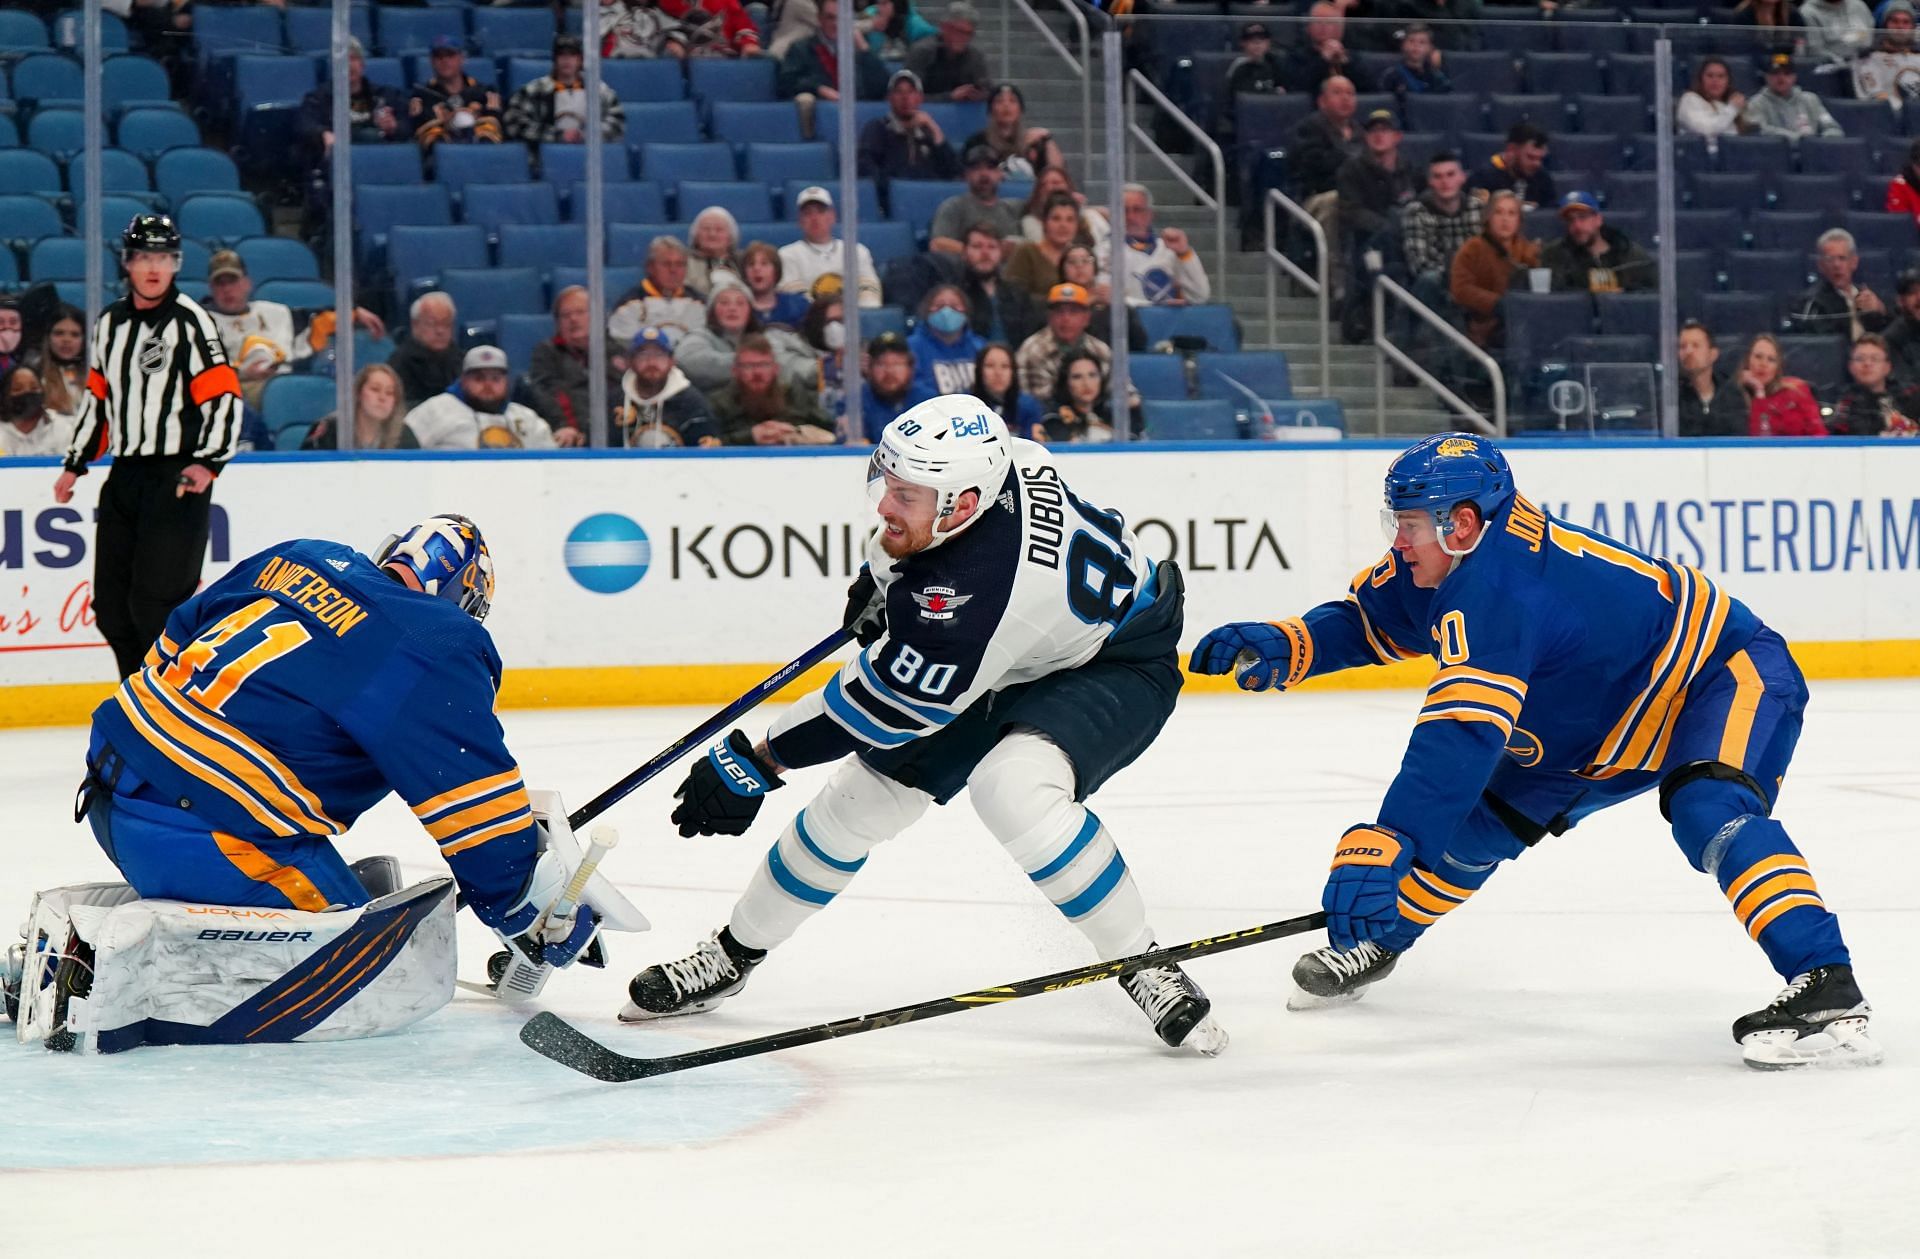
[{"x": 1037, "y": 586}]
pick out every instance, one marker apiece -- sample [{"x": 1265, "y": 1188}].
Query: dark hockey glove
[
  {"x": 1362, "y": 896},
  {"x": 723, "y": 791},
  {"x": 866, "y": 617},
  {"x": 1260, "y": 654}
]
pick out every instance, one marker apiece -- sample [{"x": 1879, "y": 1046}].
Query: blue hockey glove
[
  {"x": 723, "y": 792},
  {"x": 1362, "y": 894},
  {"x": 524, "y": 925},
  {"x": 1274, "y": 650}
]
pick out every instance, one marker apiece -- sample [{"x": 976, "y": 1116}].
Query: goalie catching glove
[
  {"x": 1362, "y": 896},
  {"x": 723, "y": 792},
  {"x": 530, "y": 928}
]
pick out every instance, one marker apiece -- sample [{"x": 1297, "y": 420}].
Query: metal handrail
[
  {"x": 1081, "y": 66},
  {"x": 1217, "y": 201},
  {"x": 1383, "y": 287},
  {"x": 1315, "y": 284}
]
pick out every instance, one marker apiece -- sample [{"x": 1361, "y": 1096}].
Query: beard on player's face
[{"x": 906, "y": 518}]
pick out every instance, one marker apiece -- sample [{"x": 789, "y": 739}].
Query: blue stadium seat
[
  {"x": 1775, "y": 271},
  {"x": 25, "y": 218},
  {"x": 784, "y": 232},
  {"x": 519, "y": 333},
  {"x": 1213, "y": 323},
  {"x": 870, "y": 211},
  {"x": 875, "y": 320},
  {"x": 1871, "y": 230},
  {"x": 1211, "y": 420},
  {"x": 1693, "y": 273},
  {"x": 405, "y": 30},
  {"x": 771, "y": 122},
  {"x": 59, "y": 133},
  {"x": 826, "y": 118},
  {"x": 618, "y": 280},
  {"x": 497, "y": 30},
  {"x": 1761, "y": 155},
  {"x": 1453, "y": 114},
  {"x": 726, "y": 79},
  {"x": 1823, "y": 194},
  {"x": 69, "y": 31},
  {"x": 179, "y": 173},
  {"x": 524, "y": 70},
  {"x": 278, "y": 258},
  {"x": 1591, "y": 30},
  {"x": 1564, "y": 73},
  {"x": 1482, "y": 72},
  {"x": 1619, "y": 115},
  {"x": 660, "y": 79},
  {"x": 776, "y": 163},
  {"x": 131, "y": 76},
  {"x": 1645, "y": 19},
  {"x": 740, "y": 198},
  {"x": 23, "y": 170},
  {"x": 1706, "y": 229},
  {"x": 627, "y": 243},
  {"x": 543, "y": 246},
  {"x": 637, "y": 201},
  {"x": 116, "y": 211},
  {"x": 671, "y": 163},
  {"x": 295, "y": 400},
  {"x": 9, "y": 269},
  {"x": 48, "y": 75},
  {"x": 1743, "y": 192},
  {"x": 417, "y": 253},
  {"x": 1582, "y": 155},
  {"x": 1264, "y": 372},
  {"x": 960, "y": 119},
  {"x": 9, "y": 131},
  {"x": 299, "y": 294},
  {"x": 1267, "y": 121},
  {"x": 1540, "y": 109},
  {"x": 65, "y": 258},
  {"x": 493, "y": 205},
  {"x": 483, "y": 70},
  {"x": 1538, "y": 323},
  {"x": 23, "y": 32},
  {"x": 379, "y": 208},
  {"x": 272, "y": 80},
  {"x": 1416, "y": 147},
  {"x": 566, "y": 164},
  {"x": 1628, "y": 314},
  {"x": 120, "y": 171},
  {"x": 390, "y": 72},
  {"x": 1632, "y": 190},
  {"x": 1835, "y": 155},
  {"x": 884, "y": 240},
  {"x": 151, "y": 132},
  {"x": 1739, "y": 314},
  {"x": 310, "y": 27},
  {"x": 663, "y": 122},
  {"x": 914, "y": 201},
  {"x": 1159, "y": 377},
  {"x": 1868, "y": 120},
  {"x": 483, "y": 294},
  {"x": 1774, "y": 229},
  {"x": 226, "y": 30},
  {"x": 384, "y": 164},
  {"x": 219, "y": 217},
  {"x": 457, "y": 165},
  {"x": 1818, "y": 360},
  {"x": 1632, "y": 74}
]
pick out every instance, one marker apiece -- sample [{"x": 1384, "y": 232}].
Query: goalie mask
[
  {"x": 950, "y": 444},
  {"x": 445, "y": 556}
]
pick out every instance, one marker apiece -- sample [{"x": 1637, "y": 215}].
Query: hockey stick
[
  {"x": 553, "y": 1037},
  {"x": 523, "y": 977},
  {"x": 710, "y": 727}
]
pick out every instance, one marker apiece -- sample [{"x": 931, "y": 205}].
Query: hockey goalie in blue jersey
[
  {"x": 281, "y": 703},
  {"x": 1016, "y": 642},
  {"x": 1575, "y": 673}
]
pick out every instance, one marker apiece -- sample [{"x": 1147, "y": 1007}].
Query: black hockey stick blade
[{"x": 553, "y": 1037}]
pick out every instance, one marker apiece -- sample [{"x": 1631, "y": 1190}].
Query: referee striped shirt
[{"x": 159, "y": 386}]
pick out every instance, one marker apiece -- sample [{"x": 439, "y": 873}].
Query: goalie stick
[{"x": 552, "y": 1037}]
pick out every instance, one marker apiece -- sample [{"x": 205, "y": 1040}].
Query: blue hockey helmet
[
  {"x": 1441, "y": 473},
  {"x": 445, "y": 556}
]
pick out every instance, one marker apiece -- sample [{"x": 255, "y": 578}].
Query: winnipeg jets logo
[
  {"x": 939, "y": 603},
  {"x": 341, "y": 565},
  {"x": 153, "y": 354}
]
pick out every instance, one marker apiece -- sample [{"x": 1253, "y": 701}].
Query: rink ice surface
[{"x": 1550, "y": 1073}]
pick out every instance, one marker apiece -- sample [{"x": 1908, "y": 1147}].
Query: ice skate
[
  {"x": 1328, "y": 977},
  {"x": 703, "y": 979},
  {"x": 1181, "y": 1013},
  {"x": 1819, "y": 1019}
]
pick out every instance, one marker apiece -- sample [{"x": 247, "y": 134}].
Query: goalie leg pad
[
  {"x": 1023, "y": 791},
  {"x": 172, "y": 973}
]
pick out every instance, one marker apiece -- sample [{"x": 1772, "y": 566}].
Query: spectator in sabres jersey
[
  {"x": 944, "y": 346},
  {"x": 1162, "y": 267},
  {"x": 890, "y": 389},
  {"x": 475, "y": 414}
]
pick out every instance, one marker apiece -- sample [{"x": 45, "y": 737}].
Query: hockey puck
[{"x": 497, "y": 966}]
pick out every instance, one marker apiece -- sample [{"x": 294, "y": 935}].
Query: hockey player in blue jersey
[
  {"x": 1016, "y": 643},
  {"x": 289, "y": 697},
  {"x": 1575, "y": 673}
]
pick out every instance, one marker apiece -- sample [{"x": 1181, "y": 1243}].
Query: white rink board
[{"x": 1822, "y": 539}]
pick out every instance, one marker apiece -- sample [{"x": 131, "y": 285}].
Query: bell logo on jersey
[{"x": 939, "y": 603}]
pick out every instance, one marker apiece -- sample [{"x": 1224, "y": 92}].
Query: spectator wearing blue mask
[{"x": 944, "y": 346}]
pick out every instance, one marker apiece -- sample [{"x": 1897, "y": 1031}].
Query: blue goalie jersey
[
  {"x": 294, "y": 693},
  {"x": 1560, "y": 651}
]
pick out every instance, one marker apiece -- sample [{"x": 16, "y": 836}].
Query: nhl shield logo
[
  {"x": 153, "y": 354},
  {"x": 939, "y": 603}
]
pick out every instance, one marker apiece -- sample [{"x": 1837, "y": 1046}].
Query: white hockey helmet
[{"x": 950, "y": 444}]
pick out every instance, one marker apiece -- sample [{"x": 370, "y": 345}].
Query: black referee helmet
[{"x": 150, "y": 233}]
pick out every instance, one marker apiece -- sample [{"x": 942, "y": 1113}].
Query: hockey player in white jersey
[{"x": 1015, "y": 641}]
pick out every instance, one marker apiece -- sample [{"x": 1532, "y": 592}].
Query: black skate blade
[{"x": 552, "y": 1037}]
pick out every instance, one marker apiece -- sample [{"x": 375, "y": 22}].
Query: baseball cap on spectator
[
  {"x": 906, "y": 74},
  {"x": 356, "y": 49},
  {"x": 1254, "y": 30},
  {"x": 1382, "y": 118},
  {"x": 484, "y": 358},
  {"x": 651, "y": 337},
  {"x": 1780, "y": 62},
  {"x": 447, "y": 43},
  {"x": 1908, "y": 282},
  {"x": 961, "y": 11},
  {"x": 1578, "y": 203},
  {"x": 813, "y": 194},
  {"x": 981, "y": 155},
  {"x": 225, "y": 263},
  {"x": 827, "y": 287},
  {"x": 888, "y": 342},
  {"x": 1068, "y": 295},
  {"x": 567, "y": 42}
]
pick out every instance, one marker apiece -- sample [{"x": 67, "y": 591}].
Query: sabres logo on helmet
[
  {"x": 445, "y": 556},
  {"x": 1455, "y": 448}
]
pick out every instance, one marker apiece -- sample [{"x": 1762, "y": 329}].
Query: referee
[{"x": 162, "y": 399}]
